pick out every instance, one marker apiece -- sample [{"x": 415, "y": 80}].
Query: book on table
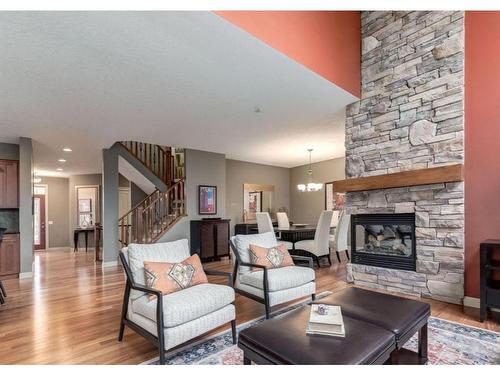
[{"x": 330, "y": 324}]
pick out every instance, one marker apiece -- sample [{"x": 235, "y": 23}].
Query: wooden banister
[
  {"x": 158, "y": 159},
  {"x": 153, "y": 216}
]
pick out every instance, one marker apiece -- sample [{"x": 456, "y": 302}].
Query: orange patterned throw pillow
[
  {"x": 172, "y": 277},
  {"x": 274, "y": 257}
]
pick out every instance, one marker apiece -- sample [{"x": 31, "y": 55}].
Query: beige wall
[
  {"x": 239, "y": 172},
  {"x": 306, "y": 207},
  {"x": 57, "y": 210}
]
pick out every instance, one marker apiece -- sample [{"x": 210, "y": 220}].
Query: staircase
[
  {"x": 158, "y": 159},
  {"x": 149, "y": 220}
]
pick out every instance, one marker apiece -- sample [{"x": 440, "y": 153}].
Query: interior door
[
  {"x": 124, "y": 203},
  {"x": 39, "y": 221}
]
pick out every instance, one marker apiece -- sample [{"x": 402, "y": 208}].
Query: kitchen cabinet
[
  {"x": 9, "y": 256},
  {"x": 9, "y": 184}
]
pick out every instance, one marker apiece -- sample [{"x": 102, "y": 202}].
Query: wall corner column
[
  {"x": 26, "y": 206},
  {"x": 110, "y": 181}
]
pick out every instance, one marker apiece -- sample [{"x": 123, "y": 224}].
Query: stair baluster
[{"x": 153, "y": 216}]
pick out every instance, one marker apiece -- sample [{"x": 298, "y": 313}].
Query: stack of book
[{"x": 329, "y": 324}]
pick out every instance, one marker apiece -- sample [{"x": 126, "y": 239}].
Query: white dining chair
[
  {"x": 283, "y": 222},
  {"x": 264, "y": 225},
  {"x": 335, "y": 219},
  {"x": 319, "y": 247},
  {"x": 340, "y": 240}
]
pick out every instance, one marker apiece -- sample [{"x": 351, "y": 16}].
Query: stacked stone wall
[{"x": 411, "y": 116}]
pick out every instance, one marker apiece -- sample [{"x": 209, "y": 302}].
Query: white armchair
[
  {"x": 339, "y": 241},
  {"x": 170, "y": 320},
  {"x": 264, "y": 225},
  {"x": 269, "y": 286},
  {"x": 319, "y": 247}
]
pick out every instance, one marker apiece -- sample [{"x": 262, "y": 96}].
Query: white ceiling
[{"x": 187, "y": 79}]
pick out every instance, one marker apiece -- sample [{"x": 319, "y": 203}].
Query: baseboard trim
[
  {"x": 112, "y": 263},
  {"x": 475, "y": 302},
  {"x": 25, "y": 275},
  {"x": 472, "y": 302}
]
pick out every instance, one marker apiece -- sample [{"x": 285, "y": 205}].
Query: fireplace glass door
[{"x": 384, "y": 240}]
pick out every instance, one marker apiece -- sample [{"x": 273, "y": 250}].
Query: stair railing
[
  {"x": 156, "y": 158},
  {"x": 153, "y": 216}
]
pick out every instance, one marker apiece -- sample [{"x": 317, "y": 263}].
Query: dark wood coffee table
[{"x": 283, "y": 340}]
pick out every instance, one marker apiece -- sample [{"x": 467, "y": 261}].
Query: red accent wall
[
  {"x": 482, "y": 138},
  {"x": 327, "y": 42}
]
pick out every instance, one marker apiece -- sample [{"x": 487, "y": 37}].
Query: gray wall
[
  {"x": 9, "y": 151},
  {"x": 306, "y": 207},
  {"x": 202, "y": 168},
  {"x": 58, "y": 211},
  {"x": 26, "y": 203},
  {"x": 240, "y": 172},
  {"x": 136, "y": 194}
]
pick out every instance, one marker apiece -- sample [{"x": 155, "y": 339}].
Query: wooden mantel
[{"x": 449, "y": 173}]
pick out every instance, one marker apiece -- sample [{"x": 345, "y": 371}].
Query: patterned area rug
[{"x": 449, "y": 344}]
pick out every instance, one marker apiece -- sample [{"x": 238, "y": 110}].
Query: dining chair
[
  {"x": 319, "y": 247},
  {"x": 335, "y": 219},
  {"x": 339, "y": 240},
  {"x": 283, "y": 221},
  {"x": 264, "y": 225}
]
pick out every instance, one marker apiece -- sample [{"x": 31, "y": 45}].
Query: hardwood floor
[{"x": 69, "y": 312}]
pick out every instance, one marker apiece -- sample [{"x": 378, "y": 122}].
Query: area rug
[{"x": 449, "y": 344}]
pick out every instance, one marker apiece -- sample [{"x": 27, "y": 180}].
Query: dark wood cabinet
[
  {"x": 210, "y": 238},
  {"x": 9, "y": 256},
  {"x": 9, "y": 184},
  {"x": 490, "y": 277}
]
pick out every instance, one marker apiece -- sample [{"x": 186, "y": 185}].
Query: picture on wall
[
  {"x": 207, "y": 200},
  {"x": 333, "y": 201},
  {"x": 255, "y": 202},
  {"x": 85, "y": 205}
]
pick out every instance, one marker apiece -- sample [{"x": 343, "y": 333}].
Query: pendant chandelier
[{"x": 310, "y": 186}]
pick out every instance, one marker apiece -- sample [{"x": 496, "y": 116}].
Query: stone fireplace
[{"x": 409, "y": 118}]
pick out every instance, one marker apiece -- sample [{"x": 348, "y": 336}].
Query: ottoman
[
  {"x": 403, "y": 317},
  {"x": 283, "y": 341}
]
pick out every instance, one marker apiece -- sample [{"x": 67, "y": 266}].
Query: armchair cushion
[
  {"x": 279, "y": 278},
  {"x": 171, "y": 252},
  {"x": 242, "y": 244},
  {"x": 172, "y": 277},
  {"x": 186, "y": 305}
]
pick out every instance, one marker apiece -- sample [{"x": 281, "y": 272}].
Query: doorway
[
  {"x": 124, "y": 202},
  {"x": 39, "y": 217}
]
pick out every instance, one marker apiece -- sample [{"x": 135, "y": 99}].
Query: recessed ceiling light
[
  {"x": 62, "y": 160},
  {"x": 59, "y": 169},
  {"x": 67, "y": 149}
]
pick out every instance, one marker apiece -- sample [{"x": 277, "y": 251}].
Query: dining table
[{"x": 296, "y": 233}]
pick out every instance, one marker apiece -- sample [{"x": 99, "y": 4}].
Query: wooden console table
[{"x": 76, "y": 236}]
